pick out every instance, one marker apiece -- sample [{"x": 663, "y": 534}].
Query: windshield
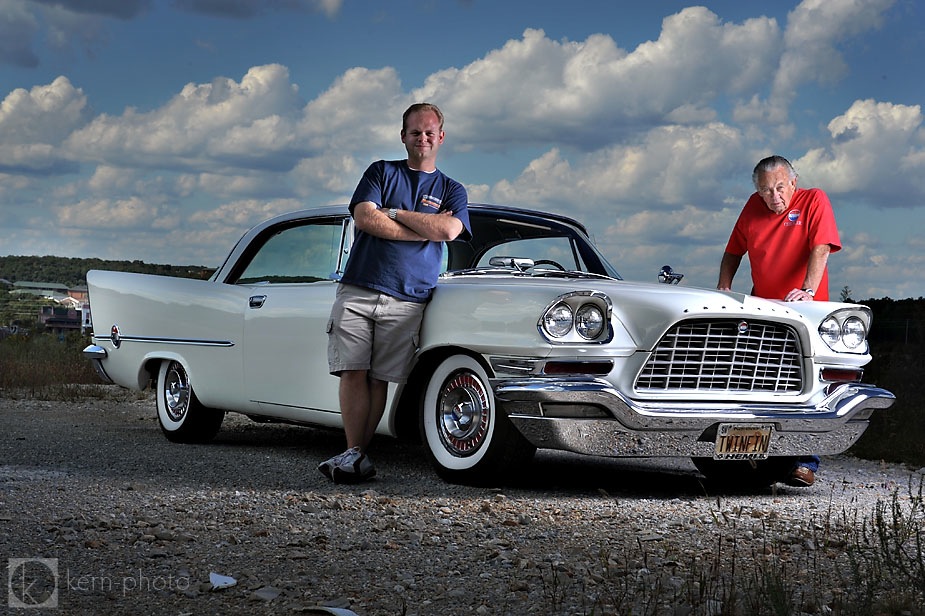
[{"x": 551, "y": 243}]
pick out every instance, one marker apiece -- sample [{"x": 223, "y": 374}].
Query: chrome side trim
[
  {"x": 520, "y": 366},
  {"x": 184, "y": 341}
]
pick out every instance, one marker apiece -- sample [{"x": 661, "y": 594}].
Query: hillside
[{"x": 73, "y": 271}]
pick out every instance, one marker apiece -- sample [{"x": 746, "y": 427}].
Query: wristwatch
[
  {"x": 810, "y": 292},
  {"x": 393, "y": 213}
]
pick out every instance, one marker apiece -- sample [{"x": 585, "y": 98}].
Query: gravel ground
[{"x": 102, "y": 515}]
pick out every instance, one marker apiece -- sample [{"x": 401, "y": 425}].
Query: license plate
[{"x": 742, "y": 441}]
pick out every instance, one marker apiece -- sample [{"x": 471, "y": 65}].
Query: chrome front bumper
[{"x": 589, "y": 416}]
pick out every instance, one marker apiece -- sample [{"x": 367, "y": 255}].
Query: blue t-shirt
[{"x": 406, "y": 270}]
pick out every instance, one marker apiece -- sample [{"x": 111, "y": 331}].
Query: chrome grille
[{"x": 725, "y": 355}]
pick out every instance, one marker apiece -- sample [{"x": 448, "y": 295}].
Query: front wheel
[
  {"x": 467, "y": 439},
  {"x": 182, "y": 417}
]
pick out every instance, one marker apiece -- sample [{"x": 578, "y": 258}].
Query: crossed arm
[{"x": 408, "y": 226}]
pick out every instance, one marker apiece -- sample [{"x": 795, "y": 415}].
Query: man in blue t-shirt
[{"x": 403, "y": 211}]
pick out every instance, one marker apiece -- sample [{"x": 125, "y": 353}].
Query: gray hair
[{"x": 771, "y": 163}]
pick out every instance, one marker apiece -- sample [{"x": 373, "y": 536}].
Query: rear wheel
[
  {"x": 467, "y": 439},
  {"x": 745, "y": 473},
  {"x": 182, "y": 417}
]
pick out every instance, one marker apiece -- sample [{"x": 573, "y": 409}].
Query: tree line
[
  {"x": 72, "y": 272},
  {"x": 897, "y": 323}
]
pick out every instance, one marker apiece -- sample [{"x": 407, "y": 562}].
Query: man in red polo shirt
[{"x": 788, "y": 233}]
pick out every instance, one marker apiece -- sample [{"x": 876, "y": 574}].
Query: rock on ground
[{"x": 100, "y": 514}]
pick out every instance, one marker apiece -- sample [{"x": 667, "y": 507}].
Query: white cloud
[
  {"x": 360, "y": 112},
  {"x": 107, "y": 179},
  {"x": 43, "y": 114},
  {"x": 132, "y": 212},
  {"x": 668, "y": 167},
  {"x": 12, "y": 185},
  {"x": 336, "y": 175},
  {"x": 243, "y": 214},
  {"x": 230, "y": 186},
  {"x": 810, "y": 52},
  {"x": 690, "y": 239},
  {"x": 814, "y": 29},
  {"x": 214, "y": 125},
  {"x": 651, "y": 147},
  {"x": 585, "y": 94},
  {"x": 877, "y": 152},
  {"x": 33, "y": 123}
]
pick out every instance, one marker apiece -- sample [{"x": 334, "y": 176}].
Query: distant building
[
  {"x": 43, "y": 289},
  {"x": 61, "y": 319},
  {"x": 73, "y": 312}
]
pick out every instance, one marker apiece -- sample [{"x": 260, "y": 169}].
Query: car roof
[
  {"x": 508, "y": 210},
  {"x": 485, "y": 208},
  {"x": 525, "y": 217}
]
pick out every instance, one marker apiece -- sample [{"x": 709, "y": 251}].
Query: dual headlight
[
  {"x": 845, "y": 330},
  {"x": 583, "y": 316}
]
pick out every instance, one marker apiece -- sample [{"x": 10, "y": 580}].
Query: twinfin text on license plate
[{"x": 742, "y": 441}]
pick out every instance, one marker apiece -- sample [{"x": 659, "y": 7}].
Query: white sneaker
[{"x": 352, "y": 466}]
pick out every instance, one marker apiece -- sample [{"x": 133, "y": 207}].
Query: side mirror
[{"x": 669, "y": 276}]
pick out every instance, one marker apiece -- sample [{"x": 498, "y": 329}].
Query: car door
[{"x": 292, "y": 281}]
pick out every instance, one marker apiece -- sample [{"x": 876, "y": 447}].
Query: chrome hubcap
[
  {"x": 176, "y": 392},
  {"x": 463, "y": 414}
]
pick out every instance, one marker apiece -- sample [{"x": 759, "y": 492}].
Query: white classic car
[{"x": 532, "y": 340}]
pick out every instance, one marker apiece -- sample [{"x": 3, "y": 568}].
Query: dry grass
[
  {"x": 860, "y": 566},
  {"x": 47, "y": 367}
]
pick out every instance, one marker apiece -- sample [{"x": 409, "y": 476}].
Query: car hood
[
  {"x": 645, "y": 310},
  {"x": 649, "y": 309}
]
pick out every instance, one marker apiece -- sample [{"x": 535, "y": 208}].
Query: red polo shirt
[{"x": 778, "y": 245}]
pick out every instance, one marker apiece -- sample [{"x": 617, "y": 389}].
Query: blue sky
[{"x": 160, "y": 130}]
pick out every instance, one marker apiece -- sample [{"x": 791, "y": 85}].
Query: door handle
[{"x": 256, "y": 301}]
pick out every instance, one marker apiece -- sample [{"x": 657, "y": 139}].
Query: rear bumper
[
  {"x": 589, "y": 416},
  {"x": 96, "y": 355}
]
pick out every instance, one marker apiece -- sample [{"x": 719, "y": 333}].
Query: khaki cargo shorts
[{"x": 373, "y": 331}]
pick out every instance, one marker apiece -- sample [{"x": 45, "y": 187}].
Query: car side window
[
  {"x": 558, "y": 249},
  {"x": 307, "y": 253}
]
